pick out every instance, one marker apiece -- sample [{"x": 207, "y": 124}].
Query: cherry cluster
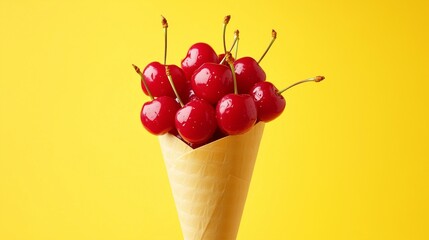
[{"x": 210, "y": 96}]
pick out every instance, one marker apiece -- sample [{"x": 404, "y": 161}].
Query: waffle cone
[{"x": 210, "y": 183}]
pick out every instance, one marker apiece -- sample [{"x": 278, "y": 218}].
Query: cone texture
[{"x": 210, "y": 183}]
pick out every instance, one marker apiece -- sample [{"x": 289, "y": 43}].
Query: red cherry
[
  {"x": 236, "y": 113},
  {"x": 248, "y": 73},
  {"x": 196, "y": 121},
  {"x": 212, "y": 81},
  {"x": 157, "y": 81},
  {"x": 269, "y": 102},
  {"x": 154, "y": 76},
  {"x": 157, "y": 116},
  {"x": 198, "y": 54}
]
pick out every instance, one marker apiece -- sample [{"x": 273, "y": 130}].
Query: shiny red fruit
[
  {"x": 196, "y": 122},
  {"x": 157, "y": 81},
  {"x": 248, "y": 72},
  {"x": 198, "y": 54},
  {"x": 158, "y": 115},
  {"x": 212, "y": 81},
  {"x": 236, "y": 113},
  {"x": 269, "y": 102}
]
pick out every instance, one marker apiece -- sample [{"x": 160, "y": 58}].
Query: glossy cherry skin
[
  {"x": 196, "y": 122},
  {"x": 248, "y": 72},
  {"x": 158, "y": 115},
  {"x": 236, "y": 113},
  {"x": 212, "y": 81},
  {"x": 268, "y": 101},
  {"x": 198, "y": 54},
  {"x": 157, "y": 81}
]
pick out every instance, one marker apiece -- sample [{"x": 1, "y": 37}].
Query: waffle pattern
[{"x": 210, "y": 183}]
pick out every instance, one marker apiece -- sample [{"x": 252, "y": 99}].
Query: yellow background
[{"x": 348, "y": 159}]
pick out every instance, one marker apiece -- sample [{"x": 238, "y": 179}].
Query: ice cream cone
[{"x": 210, "y": 183}]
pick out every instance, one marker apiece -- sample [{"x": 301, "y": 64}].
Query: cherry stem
[
  {"x": 225, "y": 23},
  {"x": 165, "y": 26},
  {"x": 314, "y": 79},
  {"x": 137, "y": 69},
  {"x": 274, "y": 36},
  {"x": 170, "y": 79},
  {"x": 231, "y": 66},
  {"x": 236, "y": 38}
]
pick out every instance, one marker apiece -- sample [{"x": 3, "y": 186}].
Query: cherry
[
  {"x": 249, "y": 72},
  {"x": 212, "y": 81},
  {"x": 269, "y": 101},
  {"x": 155, "y": 78},
  {"x": 237, "y": 89},
  {"x": 196, "y": 122},
  {"x": 198, "y": 54},
  {"x": 157, "y": 81},
  {"x": 157, "y": 116},
  {"x": 235, "y": 113}
]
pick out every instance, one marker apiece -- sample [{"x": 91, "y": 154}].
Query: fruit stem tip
[
  {"x": 137, "y": 69},
  {"x": 226, "y": 19},
  {"x": 237, "y": 33},
  {"x": 319, "y": 78},
  {"x": 143, "y": 81},
  {"x": 273, "y": 38},
  {"x": 164, "y": 22},
  {"x": 274, "y": 33}
]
